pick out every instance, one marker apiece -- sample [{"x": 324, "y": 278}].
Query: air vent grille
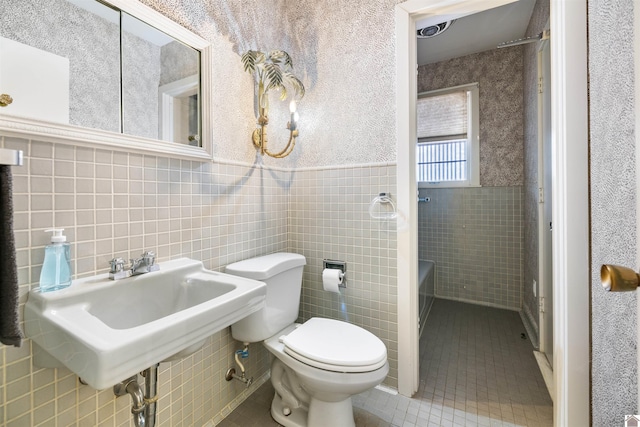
[{"x": 434, "y": 30}]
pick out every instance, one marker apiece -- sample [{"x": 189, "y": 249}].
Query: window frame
[{"x": 473, "y": 137}]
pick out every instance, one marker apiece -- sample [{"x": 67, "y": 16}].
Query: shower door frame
[
  {"x": 545, "y": 203},
  {"x": 570, "y": 189}
]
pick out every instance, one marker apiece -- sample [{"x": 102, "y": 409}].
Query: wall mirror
[{"x": 111, "y": 73}]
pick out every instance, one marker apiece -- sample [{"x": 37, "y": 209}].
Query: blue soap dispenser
[{"x": 56, "y": 269}]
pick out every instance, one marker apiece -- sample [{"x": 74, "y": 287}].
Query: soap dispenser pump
[{"x": 56, "y": 269}]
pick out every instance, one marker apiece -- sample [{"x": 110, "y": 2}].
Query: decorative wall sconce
[{"x": 272, "y": 71}]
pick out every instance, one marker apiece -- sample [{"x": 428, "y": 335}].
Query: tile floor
[{"x": 476, "y": 369}]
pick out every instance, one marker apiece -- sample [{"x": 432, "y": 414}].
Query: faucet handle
[
  {"x": 150, "y": 260},
  {"x": 117, "y": 270},
  {"x": 117, "y": 264},
  {"x": 149, "y": 257}
]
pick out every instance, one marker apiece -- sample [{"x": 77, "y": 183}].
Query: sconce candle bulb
[
  {"x": 267, "y": 71},
  {"x": 293, "y": 123}
]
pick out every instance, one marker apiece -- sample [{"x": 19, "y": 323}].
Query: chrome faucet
[{"x": 144, "y": 264}]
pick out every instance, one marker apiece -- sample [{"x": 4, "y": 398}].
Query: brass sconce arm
[
  {"x": 268, "y": 74},
  {"x": 259, "y": 135}
]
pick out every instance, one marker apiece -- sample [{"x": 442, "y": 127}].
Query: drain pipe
[
  {"x": 144, "y": 404},
  {"x": 131, "y": 386},
  {"x": 151, "y": 394}
]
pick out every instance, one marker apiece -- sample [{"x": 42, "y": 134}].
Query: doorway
[
  {"x": 570, "y": 184},
  {"x": 476, "y": 234}
]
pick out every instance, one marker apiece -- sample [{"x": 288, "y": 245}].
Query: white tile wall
[
  {"x": 113, "y": 203},
  {"x": 476, "y": 238},
  {"x": 329, "y": 218}
]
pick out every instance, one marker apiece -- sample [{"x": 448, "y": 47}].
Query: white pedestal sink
[{"x": 107, "y": 330}]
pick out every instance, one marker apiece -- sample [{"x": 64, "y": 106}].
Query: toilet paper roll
[{"x": 332, "y": 279}]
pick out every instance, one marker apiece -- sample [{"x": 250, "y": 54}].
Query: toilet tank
[{"x": 282, "y": 272}]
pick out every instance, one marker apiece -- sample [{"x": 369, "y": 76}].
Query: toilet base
[
  {"x": 297, "y": 417},
  {"x": 319, "y": 414},
  {"x": 338, "y": 414}
]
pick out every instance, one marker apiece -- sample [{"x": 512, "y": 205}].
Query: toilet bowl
[{"x": 319, "y": 364}]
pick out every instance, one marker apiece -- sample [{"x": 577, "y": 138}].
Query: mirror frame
[{"x": 24, "y": 127}]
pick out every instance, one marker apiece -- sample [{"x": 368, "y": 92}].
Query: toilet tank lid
[{"x": 267, "y": 266}]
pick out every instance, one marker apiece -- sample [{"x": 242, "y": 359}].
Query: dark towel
[{"x": 10, "y": 333}]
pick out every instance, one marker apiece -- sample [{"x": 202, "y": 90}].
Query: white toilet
[{"x": 319, "y": 364}]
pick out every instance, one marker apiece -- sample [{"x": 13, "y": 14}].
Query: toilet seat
[{"x": 335, "y": 346}]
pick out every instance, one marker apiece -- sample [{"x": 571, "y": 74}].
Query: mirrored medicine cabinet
[{"x": 113, "y": 73}]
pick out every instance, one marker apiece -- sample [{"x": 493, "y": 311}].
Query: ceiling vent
[{"x": 434, "y": 30}]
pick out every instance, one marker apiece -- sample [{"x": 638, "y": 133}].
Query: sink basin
[{"x": 107, "y": 330}]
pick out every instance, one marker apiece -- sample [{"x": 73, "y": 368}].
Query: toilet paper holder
[{"x": 336, "y": 265}]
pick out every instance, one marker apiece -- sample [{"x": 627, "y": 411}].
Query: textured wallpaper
[
  {"x": 120, "y": 203},
  {"x": 177, "y": 61},
  {"x": 613, "y": 192},
  {"x": 140, "y": 77},
  {"x": 345, "y": 54},
  {"x": 499, "y": 76},
  {"x": 343, "y": 51},
  {"x": 92, "y": 45}
]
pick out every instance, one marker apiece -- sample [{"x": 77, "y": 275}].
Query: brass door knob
[
  {"x": 615, "y": 278},
  {"x": 5, "y": 99}
]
